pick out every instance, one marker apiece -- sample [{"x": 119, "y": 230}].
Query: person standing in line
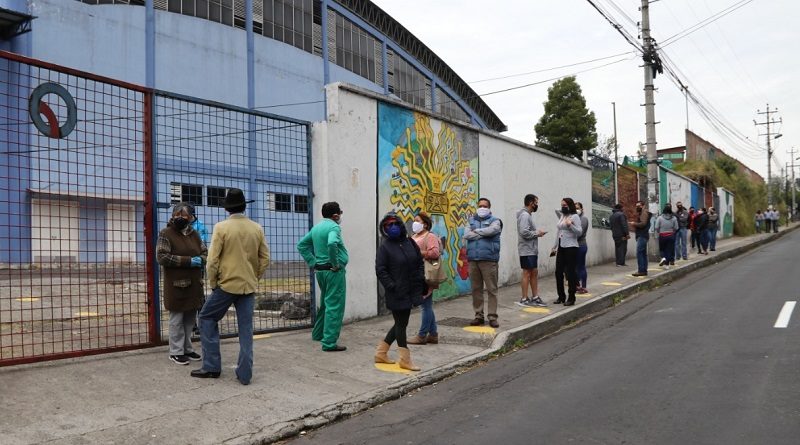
[
  {"x": 768, "y": 219},
  {"x": 528, "y": 249},
  {"x": 666, "y": 227},
  {"x": 583, "y": 249},
  {"x": 759, "y": 220},
  {"x": 713, "y": 227},
  {"x": 642, "y": 227},
  {"x": 238, "y": 258},
  {"x": 701, "y": 223},
  {"x": 181, "y": 253},
  {"x": 431, "y": 249},
  {"x": 483, "y": 253},
  {"x": 680, "y": 236},
  {"x": 620, "y": 233},
  {"x": 401, "y": 271},
  {"x": 693, "y": 233},
  {"x": 776, "y": 217},
  {"x": 566, "y": 251},
  {"x": 323, "y": 250}
]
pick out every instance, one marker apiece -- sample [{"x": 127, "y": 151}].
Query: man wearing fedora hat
[
  {"x": 238, "y": 257},
  {"x": 323, "y": 250}
]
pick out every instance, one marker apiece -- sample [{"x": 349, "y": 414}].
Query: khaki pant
[{"x": 480, "y": 273}]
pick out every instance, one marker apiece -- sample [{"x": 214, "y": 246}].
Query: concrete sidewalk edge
[{"x": 506, "y": 340}]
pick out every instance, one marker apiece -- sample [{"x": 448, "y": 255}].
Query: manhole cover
[{"x": 454, "y": 321}]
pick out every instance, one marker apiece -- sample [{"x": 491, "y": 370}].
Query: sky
[{"x": 737, "y": 64}]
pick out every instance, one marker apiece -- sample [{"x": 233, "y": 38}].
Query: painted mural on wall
[
  {"x": 674, "y": 189},
  {"x": 725, "y": 210},
  {"x": 431, "y": 166}
]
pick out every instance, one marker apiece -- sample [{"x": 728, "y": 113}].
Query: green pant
[{"x": 331, "y": 308}]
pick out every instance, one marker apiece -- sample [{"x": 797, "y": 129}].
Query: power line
[
  {"x": 708, "y": 20},
  {"x": 553, "y": 68}
]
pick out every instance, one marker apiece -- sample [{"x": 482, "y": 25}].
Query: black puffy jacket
[{"x": 400, "y": 269}]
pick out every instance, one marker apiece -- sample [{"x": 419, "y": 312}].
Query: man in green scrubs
[{"x": 323, "y": 250}]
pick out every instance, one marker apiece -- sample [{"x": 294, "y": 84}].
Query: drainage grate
[{"x": 454, "y": 321}]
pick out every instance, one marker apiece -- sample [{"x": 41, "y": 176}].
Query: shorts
[{"x": 529, "y": 262}]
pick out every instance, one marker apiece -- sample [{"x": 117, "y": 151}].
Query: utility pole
[
  {"x": 651, "y": 64},
  {"x": 794, "y": 183},
  {"x": 616, "y": 155},
  {"x": 769, "y": 122},
  {"x": 686, "y": 98}
]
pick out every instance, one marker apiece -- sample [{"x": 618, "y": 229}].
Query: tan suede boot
[
  {"x": 405, "y": 359},
  {"x": 417, "y": 340},
  {"x": 380, "y": 353},
  {"x": 432, "y": 339}
]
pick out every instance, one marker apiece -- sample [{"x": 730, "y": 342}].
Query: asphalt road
[{"x": 696, "y": 362}]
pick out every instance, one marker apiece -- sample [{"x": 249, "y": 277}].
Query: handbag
[{"x": 434, "y": 272}]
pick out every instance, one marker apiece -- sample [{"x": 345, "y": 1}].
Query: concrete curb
[{"x": 505, "y": 340}]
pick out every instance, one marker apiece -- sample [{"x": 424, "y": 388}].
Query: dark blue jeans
[
  {"x": 641, "y": 253},
  {"x": 667, "y": 246},
  {"x": 704, "y": 240},
  {"x": 712, "y": 239},
  {"x": 428, "y": 318},
  {"x": 581, "y": 265},
  {"x": 214, "y": 309}
]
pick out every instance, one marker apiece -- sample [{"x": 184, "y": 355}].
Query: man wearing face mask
[
  {"x": 642, "y": 227},
  {"x": 323, "y": 250},
  {"x": 680, "y": 236},
  {"x": 528, "y": 247},
  {"x": 483, "y": 253}
]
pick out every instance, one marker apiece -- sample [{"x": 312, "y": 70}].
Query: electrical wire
[
  {"x": 552, "y": 69},
  {"x": 708, "y": 20}
]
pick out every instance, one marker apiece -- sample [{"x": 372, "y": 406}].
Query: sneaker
[
  {"x": 478, "y": 321},
  {"x": 662, "y": 262},
  {"x": 538, "y": 302},
  {"x": 179, "y": 359},
  {"x": 639, "y": 274},
  {"x": 672, "y": 263},
  {"x": 193, "y": 356},
  {"x": 524, "y": 302},
  {"x": 493, "y": 323},
  {"x": 685, "y": 258}
]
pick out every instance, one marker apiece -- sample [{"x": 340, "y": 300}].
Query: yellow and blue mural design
[{"x": 431, "y": 166}]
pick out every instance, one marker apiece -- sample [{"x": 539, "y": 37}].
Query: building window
[
  {"x": 355, "y": 49},
  {"x": 280, "y": 202},
  {"x": 288, "y": 21},
  {"x": 192, "y": 194},
  {"x": 215, "y": 196},
  {"x": 300, "y": 204},
  {"x": 407, "y": 82},
  {"x": 447, "y": 106}
]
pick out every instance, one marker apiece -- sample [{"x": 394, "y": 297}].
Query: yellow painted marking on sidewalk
[
  {"x": 641, "y": 276},
  {"x": 537, "y": 310},
  {"x": 654, "y": 270},
  {"x": 583, "y": 295},
  {"x": 480, "y": 329},
  {"x": 260, "y": 336},
  {"x": 385, "y": 367},
  {"x": 27, "y": 299},
  {"x": 611, "y": 283},
  {"x": 86, "y": 314}
]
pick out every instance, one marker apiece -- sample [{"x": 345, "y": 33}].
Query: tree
[
  {"x": 567, "y": 126},
  {"x": 605, "y": 148}
]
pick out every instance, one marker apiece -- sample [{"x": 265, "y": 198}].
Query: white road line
[{"x": 785, "y": 315}]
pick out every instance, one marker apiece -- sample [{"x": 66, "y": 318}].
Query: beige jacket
[{"x": 239, "y": 255}]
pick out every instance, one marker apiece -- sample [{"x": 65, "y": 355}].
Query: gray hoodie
[
  {"x": 666, "y": 223},
  {"x": 527, "y": 235}
]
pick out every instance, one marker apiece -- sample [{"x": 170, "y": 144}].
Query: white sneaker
[{"x": 662, "y": 262}]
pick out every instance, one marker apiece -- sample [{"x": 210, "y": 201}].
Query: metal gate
[
  {"x": 88, "y": 169},
  {"x": 203, "y": 148}
]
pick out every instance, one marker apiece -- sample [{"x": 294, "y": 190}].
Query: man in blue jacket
[{"x": 483, "y": 253}]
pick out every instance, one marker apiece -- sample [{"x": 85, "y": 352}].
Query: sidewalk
[{"x": 140, "y": 397}]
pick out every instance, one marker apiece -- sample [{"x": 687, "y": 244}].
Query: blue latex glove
[{"x": 197, "y": 261}]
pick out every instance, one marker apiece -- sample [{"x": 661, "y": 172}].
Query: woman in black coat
[{"x": 401, "y": 272}]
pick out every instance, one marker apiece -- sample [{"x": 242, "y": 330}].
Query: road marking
[
  {"x": 785, "y": 315},
  {"x": 611, "y": 283},
  {"x": 584, "y": 295},
  {"x": 394, "y": 367},
  {"x": 537, "y": 310},
  {"x": 479, "y": 329}
]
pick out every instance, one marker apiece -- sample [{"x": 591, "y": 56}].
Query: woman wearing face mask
[
  {"x": 429, "y": 246},
  {"x": 401, "y": 272},
  {"x": 713, "y": 226},
  {"x": 182, "y": 254},
  {"x": 582, "y": 250},
  {"x": 566, "y": 249}
]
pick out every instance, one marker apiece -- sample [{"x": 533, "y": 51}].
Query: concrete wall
[{"x": 345, "y": 169}]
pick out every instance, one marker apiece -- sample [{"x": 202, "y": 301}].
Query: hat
[{"x": 234, "y": 198}]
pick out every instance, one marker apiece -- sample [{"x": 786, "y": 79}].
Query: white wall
[{"x": 345, "y": 151}]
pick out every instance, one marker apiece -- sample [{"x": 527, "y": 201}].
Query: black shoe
[
  {"x": 200, "y": 374},
  {"x": 179, "y": 359},
  {"x": 478, "y": 321},
  {"x": 193, "y": 356},
  {"x": 569, "y": 303},
  {"x": 493, "y": 323},
  {"x": 336, "y": 348},
  {"x": 639, "y": 274},
  {"x": 559, "y": 301}
]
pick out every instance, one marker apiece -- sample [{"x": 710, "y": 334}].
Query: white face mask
[
  {"x": 417, "y": 227},
  {"x": 580, "y": 211},
  {"x": 338, "y": 220},
  {"x": 483, "y": 212}
]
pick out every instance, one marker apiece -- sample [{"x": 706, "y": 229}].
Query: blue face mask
[{"x": 393, "y": 231}]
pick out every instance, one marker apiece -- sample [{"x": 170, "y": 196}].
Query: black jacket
[
  {"x": 701, "y": 222},
  {"x": 400, "y": 269},
  {"x": 619, "y": 225}
]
